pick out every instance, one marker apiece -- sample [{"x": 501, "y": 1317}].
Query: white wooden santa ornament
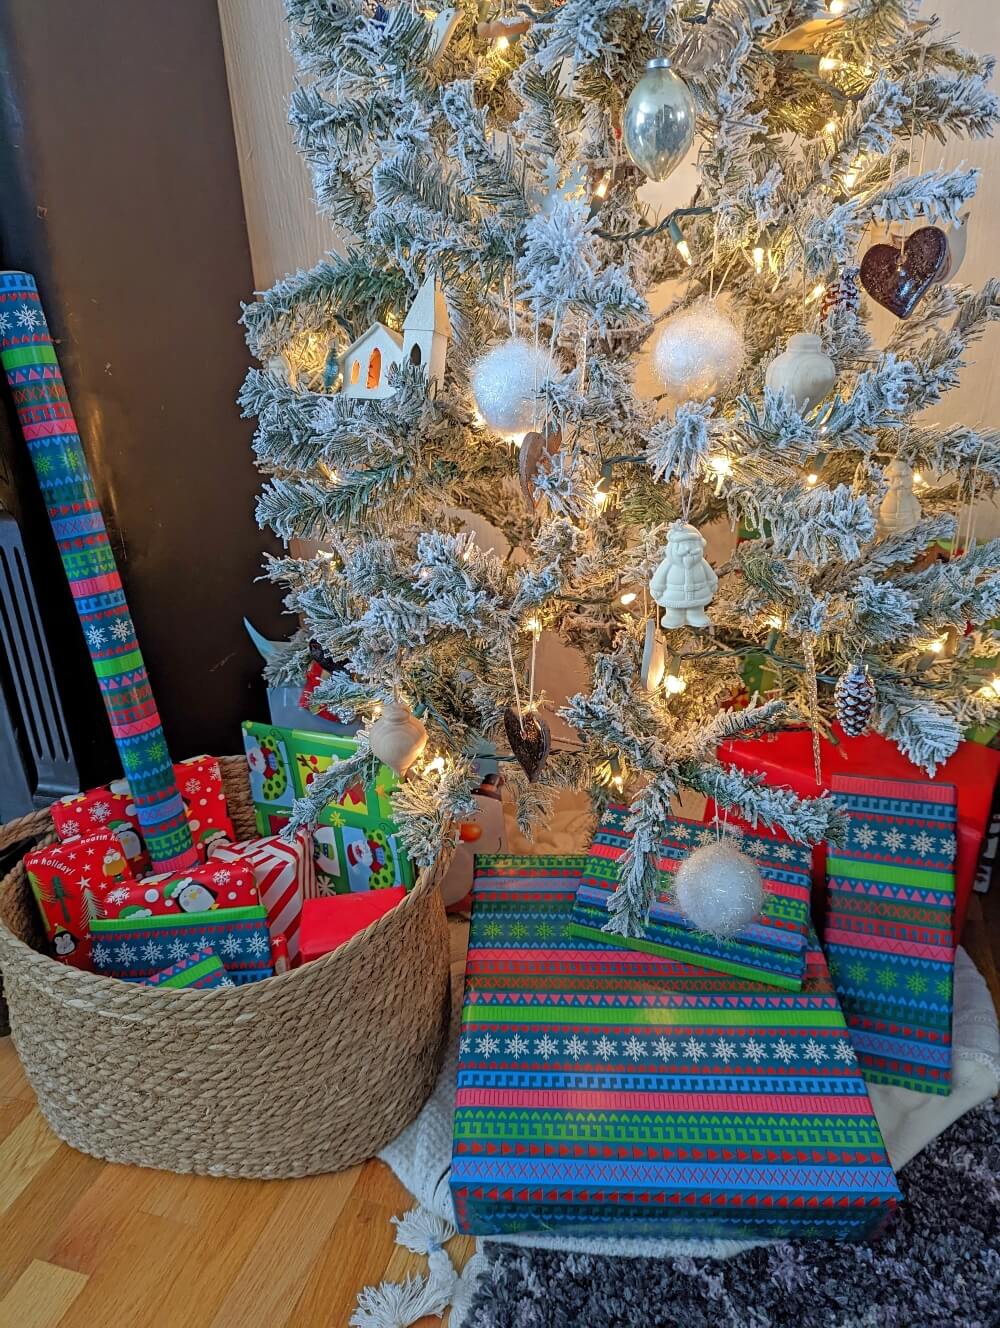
[
  {"x": 900, "y": 510},
  {"x": 684, "y": 584},
  {"x": 365, "y": 364}
]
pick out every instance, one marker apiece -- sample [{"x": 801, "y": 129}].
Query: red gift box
[
  {"x": 203, "y": 889},
  {"x": 333, "y": 919},
  {"x": 103, "y": 809},
  {"x": 199, "y": 780},
  {"x": 786, "y": 758},
  {"x": 70, "y": 882}
]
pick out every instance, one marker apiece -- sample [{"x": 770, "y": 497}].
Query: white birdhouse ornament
[
  {"x": 900, "y": 510},
  {"x": 684, "y": 584},
  {"x": 365, "y": 364}
]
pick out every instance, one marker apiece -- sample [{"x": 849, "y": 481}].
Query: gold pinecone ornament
[{"x": 854, "y": 698}]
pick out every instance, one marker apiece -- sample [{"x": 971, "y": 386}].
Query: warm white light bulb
[
  {"x": 837, "y": 7},
  {"x": 817, "y": 293},
  {"x": 995, "y": 684},
  {"x": 684, "y": 251},
  {"x": 674, "y": 684},
  {"x": 601, "y": 495},
  {"x": 629, "y": 597},
  {"x": 720, "y": 464},
  {"x": 533, "y": 626},
  {"x": 502, "y": 43},
  {"x": 812, "y": 479},
  {"x": 775, "y": 623},
  {"x": 830, "y": 127},
  {"x": 758, "y": 260},
  {"x": 935, "y": 647},
  {"x": 436, "y": 767},
  {"x": 828, "y": 63}
]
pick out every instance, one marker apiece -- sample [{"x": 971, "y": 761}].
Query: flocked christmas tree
[{"x": 476, "y": 347}]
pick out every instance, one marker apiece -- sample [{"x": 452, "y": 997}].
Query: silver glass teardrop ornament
[{"x": 658, "y": 127}]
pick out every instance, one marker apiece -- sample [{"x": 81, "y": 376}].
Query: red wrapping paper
[
  {"x": 204, "y": 889},
  {"x": 786, "y": 758},
  {"x": 70, "y": 882}
]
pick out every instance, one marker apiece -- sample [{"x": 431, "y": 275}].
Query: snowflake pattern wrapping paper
[
  {"x": 609, "y": 1092},
  {"x": 889, "y": 931},
  {"x": 285, "y": 873},
  {"x": 136, "y": 948},
  {"x": 199, "y": 971},
  {"x": 772, "y": 949},
  {"x": 100, "y": 809}
]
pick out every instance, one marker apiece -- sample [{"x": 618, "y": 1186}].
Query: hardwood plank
[
  {"x": 13, "y": 1081},
  {"x": 23, "y": 1153},
  {"x": 271, "y": 1278},
  {"x": 29, "y": 1229},
  {"x": 41, "y": 1295},
  {"x": 93, "y": 1227}
]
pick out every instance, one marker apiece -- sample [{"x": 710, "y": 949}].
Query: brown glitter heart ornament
[
  {"x": 899, "y": 277},
  {"x": 535, "y": 448},
  {"x": 529, "y": 740}
]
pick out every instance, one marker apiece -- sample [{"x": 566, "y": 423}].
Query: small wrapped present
[
  {"x": 199, "y": 780},
  {"x": 285, "y": 875},
  {"x": 786, "y": 758},
  {"x": 69, "y": 882},
  {"x": 355, "y": 842},
  {"x": 609, "y": 1092},
  {"x": 771, "y": 949},
  {"x": 135, "y": 948},
  {"x": 101, "y": 809},
  {"x": 327, "y": 923},
  {"x": 214, "y": 885},
  {"x": 200, "y": 970},
  {"x": 889, "y": 927}
]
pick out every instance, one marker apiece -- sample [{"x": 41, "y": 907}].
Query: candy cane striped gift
[{"x": 285, "y": 874}]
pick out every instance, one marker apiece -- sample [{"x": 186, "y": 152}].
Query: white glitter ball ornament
[
  {"x": 506, "y": 383},
  {"x": 699, "y": 352},
  {"x": 718, "y": 889}
]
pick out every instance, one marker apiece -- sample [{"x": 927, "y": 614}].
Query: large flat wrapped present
[
  {"x": 771, "y": 949},
  {"x": 610, "y": 1092}
]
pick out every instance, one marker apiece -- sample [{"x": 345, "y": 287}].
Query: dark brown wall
[{"x": 121, "y": 193}]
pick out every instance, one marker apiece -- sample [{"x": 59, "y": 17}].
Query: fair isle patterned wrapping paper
[
  {"x": 604, "y": 1091},
  {"x": 136, "y": 948},
  {"x": 889, "y": 932},
  {"x": 772, "y": 949}
]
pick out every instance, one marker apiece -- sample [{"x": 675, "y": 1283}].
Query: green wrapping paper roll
[{"x": 29, "y": 360}]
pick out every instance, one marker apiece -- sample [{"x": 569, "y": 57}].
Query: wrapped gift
[
  {"x": 285, "y": 875},
  {"x": 214, "y": 885},
  {"x": 69, "y": 882},
  {"x": 605, "y": 1091},
  {"x": 786, "y": 758},
  {"x": 355, "y": 843},
  {"x": 101, "y": 809},
  {"x": 137, "y": 948},
  {"x": 889, "y": 927},
  {"x": 772, "y": 949},
  {"x": 199, "y": 780},
  {"x": 328, "y": 922},
  {"x": 200, "y": 971}
]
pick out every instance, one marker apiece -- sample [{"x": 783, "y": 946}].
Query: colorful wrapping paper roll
[{"x": 46, "y": 417}]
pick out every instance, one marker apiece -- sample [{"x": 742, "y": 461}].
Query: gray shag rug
[{"x": 937, "y": 1265}]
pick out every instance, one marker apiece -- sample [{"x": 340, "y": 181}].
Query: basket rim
[{"x": 84, "y": 984}]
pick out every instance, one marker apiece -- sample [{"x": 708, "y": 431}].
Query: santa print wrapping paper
[
  {"x": 889, "y": 927},
  {"x": 285, "y": 875},
  {"x": 604, "y": 1091},
  {"x": 200, "y": 971},
  {"x": 772, "y": 949},
  {"x": 137, "y": 948},
  {"x": 69, "y": 882},
  {"x": 216, "y": 885}
]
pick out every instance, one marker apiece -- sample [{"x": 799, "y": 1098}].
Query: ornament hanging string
[
  {"x": 808, "y": 650},
  {"x": 517, "y": 690}
]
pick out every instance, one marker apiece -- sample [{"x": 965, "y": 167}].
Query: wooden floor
[{"x": 84, "y": 1244}]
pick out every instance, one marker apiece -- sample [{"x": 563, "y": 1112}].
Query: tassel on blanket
[{"x": 399, "y": 1304}]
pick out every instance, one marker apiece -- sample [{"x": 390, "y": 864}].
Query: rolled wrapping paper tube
[{"x": 29, "y": 360}]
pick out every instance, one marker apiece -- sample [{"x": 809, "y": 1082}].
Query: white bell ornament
[
  {"x": 397, "y": 737},
  {"x": 804, "y": 371}
]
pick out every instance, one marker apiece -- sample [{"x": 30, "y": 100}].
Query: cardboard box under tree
[{"x": 609, "y": 1092}]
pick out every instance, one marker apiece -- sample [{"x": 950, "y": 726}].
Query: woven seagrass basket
[{"x": 308, "y": 1072}]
